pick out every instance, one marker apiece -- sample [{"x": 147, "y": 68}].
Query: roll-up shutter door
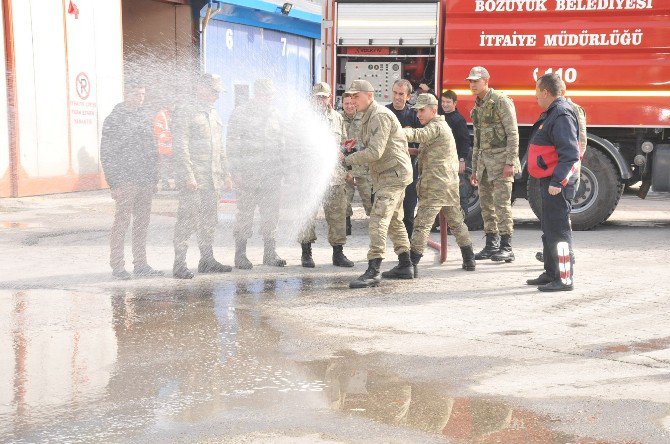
[{"x": 384, "y": 24}]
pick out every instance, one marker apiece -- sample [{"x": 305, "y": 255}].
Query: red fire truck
[{"x": 612, "y": 55}]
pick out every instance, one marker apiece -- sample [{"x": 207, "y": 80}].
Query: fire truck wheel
[{"x": 599, "y": 191}]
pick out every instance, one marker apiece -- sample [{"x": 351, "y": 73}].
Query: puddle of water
[
  {"x": 126, "y": 366},
  {"x": 17, "y": 225},
  {"x": 637, "y": 347},
  {"x": 512, "y": 332}
]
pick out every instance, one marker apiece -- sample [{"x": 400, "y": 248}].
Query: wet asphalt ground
[{"x": 290, "y": 355}]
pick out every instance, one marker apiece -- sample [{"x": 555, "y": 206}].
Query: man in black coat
[
  {"x": 407, "y": 116},
  {"x": 553, "y": 157},
  {"x": 129, "y": 160},
  {"x": 461, "y": 133}
]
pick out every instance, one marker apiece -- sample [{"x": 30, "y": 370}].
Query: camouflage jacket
[
  {"x": 256, "y": 146},
  {"x": 198, "y": 150},
  {"x": 496, "y": 135},
  {"x": 353, "y": 126},
  {"x": 384, "y": 148},
  {"x": 337, "y": 126},
  {"x": 581, "y": 121},
  {"x": 438, "y": 163}
]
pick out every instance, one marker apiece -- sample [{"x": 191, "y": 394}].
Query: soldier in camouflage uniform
[
  {"x": 201, "y": 172},
  {"x": 255, "y": 140},
  {"x": 495, "y": 161},
  {"x": 438, "y": 183},
  {"x": 359, "y": 176},
  {"x": 385, "y": 152},
  {"x": 335, "y": 200}
]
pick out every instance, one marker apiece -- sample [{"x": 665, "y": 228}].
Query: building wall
[
  {"x": 240, "y": 54},
  {"x": 5, "y": 172},
  {"x": 158, "y": 45}
]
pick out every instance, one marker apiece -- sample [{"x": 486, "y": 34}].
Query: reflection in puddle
[
  {"x": 17, "y": 225},
  {"x": 144, "y": 362},
  {"x": 381, "y": 396}
]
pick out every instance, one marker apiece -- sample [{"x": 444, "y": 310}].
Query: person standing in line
[
  {"x": 256, "y": 149},
  {"x": 554, "y": 158},
  {"x": 495, "y": 161},
  {"x": 163, "y": 133},
  {"x": 129, "y": 160},
  {"x": 201, "y": 173},
  {"x": 407, "y": 117},
  {"x": 385, "y": 152},
  {"x": 358, "y": 177},
  {"x": 335, "y": 199}
]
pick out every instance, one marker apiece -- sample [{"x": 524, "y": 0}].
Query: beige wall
[{"x": 157, "y": 36}]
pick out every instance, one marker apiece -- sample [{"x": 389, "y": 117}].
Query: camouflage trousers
[
  {"x": 423, "y": 222},
  {"x": 386, "y": 220},
  {"x": 364, "y": 187},
  {"x": 198, "y": 211},
  {"x": 495, "y": 197},
  {"x": 335, "y": 210},
  {"x": 267, "y": 200}
]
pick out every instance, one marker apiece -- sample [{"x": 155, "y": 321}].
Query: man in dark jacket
[
  {"x": 407, "y": 117},
  {"x": 129, "y": 159},
  {"x": 553, "y": 157},
  {"x": 461, "y": 133}
]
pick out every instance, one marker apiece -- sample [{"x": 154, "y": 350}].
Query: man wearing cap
[
  {"x": 255, "y": 150},
  {"x": 359, "y": 176},
  {"x": 385, "y": 152},
  {"x": 495, "y": 161},
  {"x": 335, "y": 200},
  {"x": 201, "y": 173},
  {"x": 438, "y": 182}
]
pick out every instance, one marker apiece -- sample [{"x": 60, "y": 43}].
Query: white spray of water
[{"x": 310, "y": 157}]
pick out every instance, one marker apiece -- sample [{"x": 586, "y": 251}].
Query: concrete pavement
[{"x": 279, "y": 355}]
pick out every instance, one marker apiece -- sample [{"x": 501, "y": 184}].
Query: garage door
[{"x": 240, "y": 54}]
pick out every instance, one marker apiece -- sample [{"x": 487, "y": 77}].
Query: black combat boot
[
  {"x": 179, "y": 268},
  {"x": 241, "y": 260},
  {"x": 339, "y": 259},
  {"x": 556, "y": 285},
  {"x": 306, "y": 259},
  {"x": 403, "y": 270},
  {"x": 505, "y": 253},
  {"x": 371, "y": 276},
  {"x": 208, "y": 264},
  {"x": 270, "y": 256},
  {"x": 492, "y": 247},
  {"x": 181, "y": 271},
  {"x": 468, "y": 258},
  {"x": 415, "y": 258},
  {"x": 348, "y": 226},
  {"x": 542, "y": 279}
]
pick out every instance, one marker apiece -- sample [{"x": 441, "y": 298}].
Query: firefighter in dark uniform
[{"x": 553, "y": 157}]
